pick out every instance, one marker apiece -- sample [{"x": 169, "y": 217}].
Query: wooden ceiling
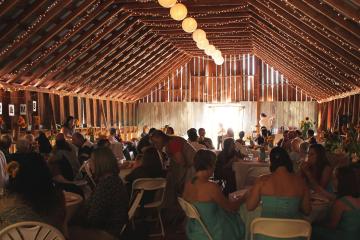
[{"x": 121, "y": 48}]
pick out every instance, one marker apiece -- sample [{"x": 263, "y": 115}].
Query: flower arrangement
[
  {"x": 21, "y": 122},
  {"x": 305, "y": 125},
  {"x": 352, "y": 143},
  {"x": 77, "y": 123}
]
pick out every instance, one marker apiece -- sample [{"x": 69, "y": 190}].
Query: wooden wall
[
  {"x": 53, "y": 109},
  {"x": 329, "y": 112}
]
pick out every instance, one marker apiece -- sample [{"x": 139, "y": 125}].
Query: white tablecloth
[{"x": 241, "y": 168}]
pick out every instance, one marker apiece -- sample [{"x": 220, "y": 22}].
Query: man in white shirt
[{"x": 193, "y": 139}]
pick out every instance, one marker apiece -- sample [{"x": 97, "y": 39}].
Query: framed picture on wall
[
  {"x": 11, "y": 110},
  {"x": 22, "y": 109},
  {"x": 0, "y": 108},
  {"x": 34, "y": 106}
]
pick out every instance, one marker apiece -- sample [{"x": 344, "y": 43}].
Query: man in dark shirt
[
  {"x": 207, "y": 142},
  {"x": 85, "y": 147}
]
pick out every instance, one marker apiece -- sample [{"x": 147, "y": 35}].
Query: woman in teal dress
[
  {"x": 282, "y": 194},
  {"x": 218, "y": 213},
  {"x": 344, "y": 220}
]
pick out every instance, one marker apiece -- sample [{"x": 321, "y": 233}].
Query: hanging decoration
[
  {"x": 189, "y": 24},
  {"x": 167, "y": 3},
  {"x": 178, "y": 12}
]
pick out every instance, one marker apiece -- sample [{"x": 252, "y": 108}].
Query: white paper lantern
[
  {"x": 202, "y": 44},
  {"x": 216, "y": 54},
  {"x": 210, "y": 49},
  {"x": 219, "y": 61},
  {"x": 178, "y": 12},
  {"x": 199, "y": 35},
  {"x": 189, "y": 24},
  {"x": 167, "y": 3}
]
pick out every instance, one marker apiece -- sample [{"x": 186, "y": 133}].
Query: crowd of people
[{"x": 35, "y": 177}]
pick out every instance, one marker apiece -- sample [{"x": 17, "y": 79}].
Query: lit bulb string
[
  {"x": 316, "y": 58},
  {"x": 302, "y": 17},
  {"x": 29, "y": 29},
  {"x": 340, "y": 14},
  {"x": 213, "y": 12},
  {"x": 317, "y": 27},
  {"x": 309, "y": 41},
  {"x": 75, "y": 28}
]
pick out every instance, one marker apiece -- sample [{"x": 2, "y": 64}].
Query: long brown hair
[{"x": 321, "y": 160}]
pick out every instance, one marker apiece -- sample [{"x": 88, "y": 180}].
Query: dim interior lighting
[
  {"x": 189, "y": 24},
  {"x": 210, "y": 49},
  {"x": 202, "y": 44},
  {"x": 178, "y": 12},
  {"x": 199, "y": 35},
  {"x": 167, "y": 3}
]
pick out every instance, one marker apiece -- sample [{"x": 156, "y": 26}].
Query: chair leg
[{"x": 161, "y": 223}]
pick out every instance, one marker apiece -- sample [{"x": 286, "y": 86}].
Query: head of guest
[
  {"x": 103, "y": 163},
  {"x": 310, "y": 133},
  {"x": 30, "y": 137},
  {"x": 201, "y": 132},
  {"x": 151, "y": 160},
  {"x": 69, "y": 122},
  {"x": 230, "y": 133},
  {"x": 298, "y": 133},
  {"x": 31, "y": 182},
  {"x": 241, "y": 134},
  {"x": 204, "y": 161},
  {"x": 263, "y": 115},
  {"x": 44, "y": 143},
  {"x": 279, "y": 158},
  {"x": 295, "y": 145},
  {"x": 112, "y": 131},
  {"x": 23, "y": 146},
  {"x": 348, "y": 182},
  {"x": 159, "y": 139},
  {"x": 170, "y": 131},
  {"x": 61, "y": 143},
  {"x": 192, "y": 135},
  {"x": 5, "y": 142},
  {"x": 264, "y": 132},
  {"x": 145, "y": 129},
  {"x": 78, "y": 139},
  {"x": 229, "y": 146},
  {"x": 286, "y": 133},
  {"x": 103, "y": 142},
  {"x": 317, "y": 159}
]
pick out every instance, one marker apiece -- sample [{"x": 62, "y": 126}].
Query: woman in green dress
[
  {"x": 282, "y": 193},
  {"x": 344, "y": 220},
  {"x": 217, "y": 212}
]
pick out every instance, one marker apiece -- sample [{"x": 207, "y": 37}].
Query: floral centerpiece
[
  {"x": 352, "y": 143},
  {"x": 305, "y": 125}
]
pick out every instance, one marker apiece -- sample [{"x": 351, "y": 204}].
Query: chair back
[
  {"x": 149, "y": 184},
  {"x": 133, "y": 208},
  {"x": 191, "y": 212},
  {"x": 255, "y": 172},
  {"x": 280, "y": 228},
  {"x": 30, "y": 231},
  {"x": 86, "y": 167}
]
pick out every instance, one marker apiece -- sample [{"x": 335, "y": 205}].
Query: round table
[{"x": 241, "y": 168}]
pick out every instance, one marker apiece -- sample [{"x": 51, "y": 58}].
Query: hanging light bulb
[
  {"x": 219, "y": 61},
  {"x": 210, "y": 49},
  {"x": 189, "y": 24},
  {"x": 202, "y": 44},
  {"x": 178, "y": 12},
  {"x": 216, "y": 54},
  {"x": 167, "y": 3},
  {"x": 199, "y": 35}
]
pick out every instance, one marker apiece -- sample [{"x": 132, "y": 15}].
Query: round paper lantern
[
  {"x": 219, "y": 61},
  {"x": 189, "y": 25},
  {"x": 178, "y": 12},
  {"x": 167, "y": 3},
  {"x": 216, "y": 54},
  {"x": 199, "y": 35},
  {"x": 202, "y": 44},
  {"x": 210, "y": 49}
]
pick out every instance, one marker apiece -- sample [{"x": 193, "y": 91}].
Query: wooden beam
[{"x": 346, "y": 9}]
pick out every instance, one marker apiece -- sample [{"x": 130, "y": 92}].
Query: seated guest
[
  {"x": 5, "y": 144},
  {"x": 116, "y": 146},
  {"x": 145, "y": 131},
  {"x": 344, "y": 221},
  {"x": 68, "y": 128},
  {"x": 32, "y": 195},
  {"x": 223, "y": 169},
  {"x": 170, "y": 131},
  {"x": 112, "y": 136},
  {"x": 311, "y": 138},
  {"x": 31, "y": 139},
  {"x": 44, "y": 144},
  {"x": 283, "y": 139},
  {"x": 295, "y": 152},
  {"x": 23, "y": 149},
  {"x": 84, "y": 146},
  {"x": 282, "y": 193},
  {"x": 219, "y": 215},
  {"x": 240, "y": 140},
  {"x": 103, "y": 142},
  {"x": 107, "y": 207},
  {"x": 144, "y": 142},
  {"x": 207, "y": 142},
  {"x": 64, "y": 165},
  {"x": 317, "y": 170},
  {"x": 193, "y": 139}
]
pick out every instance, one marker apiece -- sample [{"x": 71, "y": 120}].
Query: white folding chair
[
  {"x": 86, "y": 167},
  {"x": 280, "y": 228},
  {"x": 192, "y": 212},
  {"x": 152, "y": 184},
  {"x": 30, "y": 231},
  {"x": 255, "y": 172},
  {"x": 133, "y": 208}
]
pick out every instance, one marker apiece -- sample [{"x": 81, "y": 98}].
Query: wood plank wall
[
  {"x": 53, "y": 109},
  {"x": 241, "y": 78},
  {"x": 329, "y": 112}
]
